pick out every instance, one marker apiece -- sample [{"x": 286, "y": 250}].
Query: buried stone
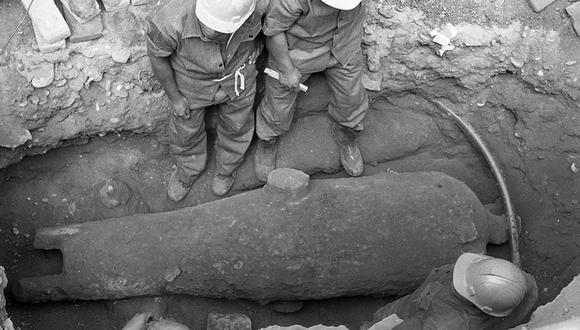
[
  {"x": 5, "y": 322},
  {"x": 317, "y": 239}
]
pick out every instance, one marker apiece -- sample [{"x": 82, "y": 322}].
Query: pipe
[{"x": 510, "y": 214}]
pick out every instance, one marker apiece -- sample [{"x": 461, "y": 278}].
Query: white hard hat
[
  {"x": 342, "y": 4},
  {"x": 225, "y": 16},
  {"x": 495, "y": 286}
]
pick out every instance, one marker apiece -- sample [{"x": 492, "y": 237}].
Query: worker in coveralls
[
  {"x": 303, "y": 37},
  {"x": 478, "y": 292},
  {"x": 203, "y": 53}
]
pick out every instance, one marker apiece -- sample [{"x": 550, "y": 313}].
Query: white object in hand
[{"x": 276, "y": 75}]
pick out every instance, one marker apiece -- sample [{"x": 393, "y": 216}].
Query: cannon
[{"x": 293, "y": 239}]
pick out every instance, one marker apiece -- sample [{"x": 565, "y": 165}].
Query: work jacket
[
  {"x": 435, "y": 306},
  {"x": 315, "y": 30},
  {"x": 199, "y": 64}
]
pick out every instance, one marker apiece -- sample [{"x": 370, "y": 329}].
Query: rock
[
  {"x": 159, "y": 93},
  {"x": 118, "y": 90},
  {"x": 287, "y": 307},
  {"x": 112, "y": 5},
  {"x": 5, "y": 322},
  {"x": 45, "y": 46},
  {"x": 574, "y": 12},
  {"x": 443, "y": 38},
  {"x": 50, "y": 24},
  {"x": 77, "y": 83},
  {"x": 129, "y": 307},
  {"x": 13, "y": 135},
  {"x": 388, "y": 323},
  {"x": 121, "y": 54},
  {"x": 60, "y": 82},
  {"x": 517, "y": 63},
  {"x": 41, "y": 75},
  {"x": 114, "y": 193},
  {"x": 472, "y": 35},
  {"x": 82, "y": 11},
  {"x": 89, "y": 30},
  {"x": 372, "y": 82},
  {"x": 539, "y": 5},
  {"x": 165, "y": 325},
  {"x": 217, "y": 321},
  {"x": 299, "y": 327},
  {"x": 287, "y": 180},
  {"x": 141, "y": 2},
  {"x": 566, "y": 306}
]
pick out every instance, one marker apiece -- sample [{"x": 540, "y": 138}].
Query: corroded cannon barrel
[{"x": 292, "y": 239}]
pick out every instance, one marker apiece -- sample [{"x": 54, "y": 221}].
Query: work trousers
[
  {"x": 348, "y": 99},
  {"x": 235, "y": 128}
]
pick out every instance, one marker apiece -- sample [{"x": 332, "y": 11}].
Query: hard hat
[
  {"x": 495, "y": 286},
  {"x": 225, "y": 16},
  {"x": 342, "y": 4}
]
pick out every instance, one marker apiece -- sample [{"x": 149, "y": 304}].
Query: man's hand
[
  {"x": 291, "y": 79},
  {"x": 180, "y": 106},
  {"x": 161, "y": 66},
  {"x": 280, "y": 55}
]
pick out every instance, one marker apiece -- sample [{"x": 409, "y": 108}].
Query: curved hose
[{"x": 510, "y": 215}]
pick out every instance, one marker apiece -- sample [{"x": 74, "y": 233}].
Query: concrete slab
[
  {"x": 112, "y": 5},
  {"x": 574, "y": 12},
  {"x": 539, "y": 5},
  {"x": 82, "y": 10},
  {"x": 91, "y": 29},
  {"x": 47, "y": 20},
  {"x": 45, "y": 46}
]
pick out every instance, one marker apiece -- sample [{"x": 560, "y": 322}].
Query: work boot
[
  {"x": 350, "y": 155},
  {"x": 265, "y": 158},
  {"x": 222, "y": 184},
  {"x": 178, "y": 186}
]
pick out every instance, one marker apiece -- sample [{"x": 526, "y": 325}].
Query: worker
[
  {"x": 303, "y": 37},
  {"x": 478, "y": 292},
  {"x": 203, "y": 53}
]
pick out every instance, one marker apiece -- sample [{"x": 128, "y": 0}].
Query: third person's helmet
[{"x": 495, "y": 286}]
